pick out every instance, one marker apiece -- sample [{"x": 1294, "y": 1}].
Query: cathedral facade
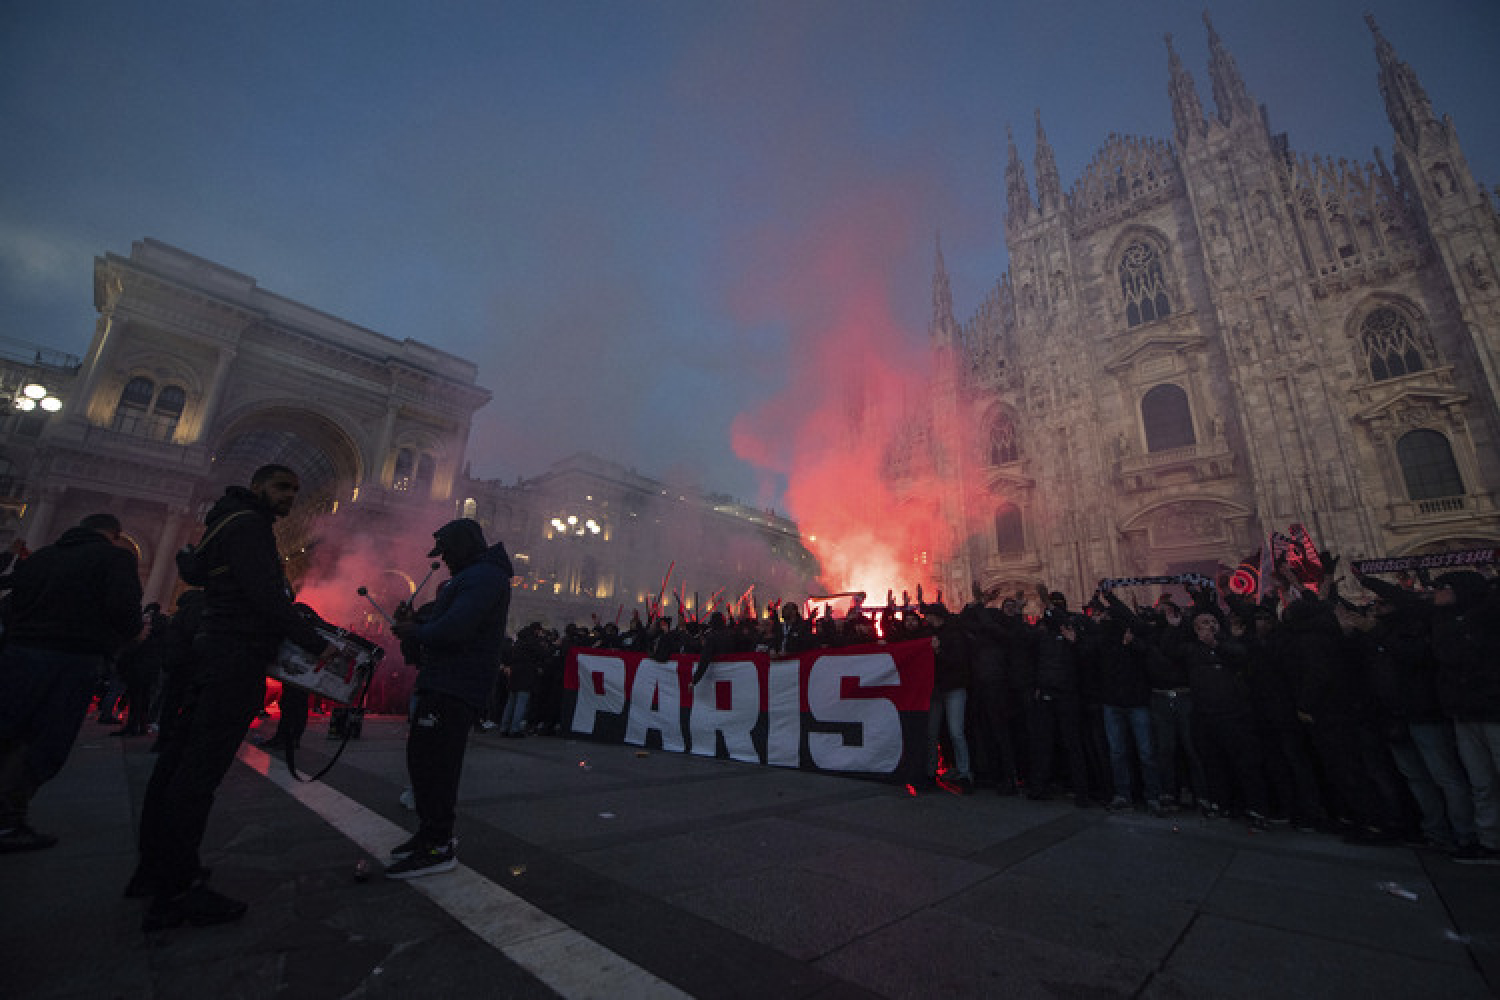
[{"x": 1210, "y": 337}]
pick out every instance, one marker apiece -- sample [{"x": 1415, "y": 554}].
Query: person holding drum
[
  {"x": 247, "y": 611},
  {"x": 459, "y": 645}
]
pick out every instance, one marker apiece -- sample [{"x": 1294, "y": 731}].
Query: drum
[{"x": 340, "y": 675}]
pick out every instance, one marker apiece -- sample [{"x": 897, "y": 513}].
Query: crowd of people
[{"x": 1378, "y": 721}]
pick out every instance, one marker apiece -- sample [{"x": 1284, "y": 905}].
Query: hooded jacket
[
  {"x": 81, "y": 594},
  {"x": 250, "y": 603},
  {"x": 463, "y": 638}
]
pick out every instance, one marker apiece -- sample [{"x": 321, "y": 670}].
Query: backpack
[{"x": 193, "y": 562}]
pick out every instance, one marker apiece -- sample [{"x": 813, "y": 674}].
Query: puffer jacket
[{"x": 462, "y": 639}]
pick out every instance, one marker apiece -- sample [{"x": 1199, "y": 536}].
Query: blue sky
[{"x": 624, "y": 211}]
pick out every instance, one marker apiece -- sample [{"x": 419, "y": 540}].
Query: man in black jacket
[
  {"x": 247, "y": 612},
  {"x": 73, "y": 603}
]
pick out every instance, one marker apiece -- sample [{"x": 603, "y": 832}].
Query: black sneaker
[
  {"x": 199, "y": 906},
  {"x": 1476, "y": 854},
  {"x": 427, "y": 861},
  {"x": 408, "y": 847},
  {"x": 23, "y": 838}
]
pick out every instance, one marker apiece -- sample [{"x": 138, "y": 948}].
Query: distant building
[
  {"x": 196, "y": 376},
  {"x": 1207, "y": 338},
  {"x": 591, "y": 538}
]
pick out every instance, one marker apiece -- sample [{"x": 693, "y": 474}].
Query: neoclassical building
[
  {"x": 1208, "y": 337},
  {"x": 196, "y": 376}
]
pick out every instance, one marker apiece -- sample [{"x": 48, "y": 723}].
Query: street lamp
[{"x": 33, "y": 395}]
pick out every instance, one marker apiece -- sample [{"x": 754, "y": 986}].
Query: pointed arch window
[
  {"x": 1143, "y": 284},
  {"x": 1005, "y": 447},
  {"x": 1390, "y": 345},
  {"x": 1010, "y": 533},
  {"x": 1427, "y": 464},
  {"x": 1167, "y": 418}
]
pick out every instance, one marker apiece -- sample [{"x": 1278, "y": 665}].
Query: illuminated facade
[
  {"x": 196, "y": 376},
  {"x": 592, "y": 538},
  {"x": 1211, "y": 337}
]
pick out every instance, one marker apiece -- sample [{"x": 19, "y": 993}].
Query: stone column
[
  {"x": 37, "y": 528},
  {"x": 210, "y": 404},
  {"x": 164, "y": 564}
]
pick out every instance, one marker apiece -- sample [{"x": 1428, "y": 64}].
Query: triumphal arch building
[{"x": 196, "y": 376}]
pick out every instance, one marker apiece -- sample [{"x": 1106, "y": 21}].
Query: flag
[
  {"x": 1245, "y": 580},
  {"x": 1303, "y": 558}
]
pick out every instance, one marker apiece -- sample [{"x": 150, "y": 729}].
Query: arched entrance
[{"x": 319, "y": 451}]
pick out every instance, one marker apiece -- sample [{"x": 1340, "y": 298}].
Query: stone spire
[
  {"x": 1017, "y": 193},
  {"x": 1406, "y": 103},
  {"x": 1187, "y": 111},
  {"x": 1230, "y": 95},
  {"x": 1048, "y": 184},
  {"x": 944, "y": 327}
]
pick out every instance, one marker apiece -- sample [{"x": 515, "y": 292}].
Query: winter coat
[
  {"x": 461, "y": 640},
  {"x": 81, "y": 594},
  {"x": 251, "y": 603}
]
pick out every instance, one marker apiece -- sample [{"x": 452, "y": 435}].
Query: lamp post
[{"x": 34, "y": 395}]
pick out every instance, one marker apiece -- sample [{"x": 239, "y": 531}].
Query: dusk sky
[{"x": 634, "y": 216}]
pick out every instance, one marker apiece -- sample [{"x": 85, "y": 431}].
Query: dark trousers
[
  {"x": 1230, "y": 753},
  {"x": 1047, "y": 720},
  {"x": 44, "y": 698},
  {"x": 294, "y": 705},
  {"x": 1172, "y": 728},
  {"x": 996, "y": 712},
  {"x": 1291, "y": 774},
  {"x": 435, "y": 761},
  {"x": 219, "y": 704}
]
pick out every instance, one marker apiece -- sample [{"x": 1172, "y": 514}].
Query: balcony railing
[{"x": 1442, "y": 508}]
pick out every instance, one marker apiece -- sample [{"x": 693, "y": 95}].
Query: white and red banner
[{"x": 859, "y": 709}]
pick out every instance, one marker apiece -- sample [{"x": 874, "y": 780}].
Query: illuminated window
[
  {"x": 405, "y": 463},
  {"x": 145, "y": 412},
  {"x": 1143, "y": 285},
  {"x": 1427, "y": 464},
  {"x": 1168, "y": 419}
]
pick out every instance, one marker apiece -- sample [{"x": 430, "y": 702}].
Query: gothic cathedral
[{"x": 1209, "y": 338}]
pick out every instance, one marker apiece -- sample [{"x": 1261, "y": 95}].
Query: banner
[
  {"x": 1114, "y": 582},
  {"x": 854, "y": 710},
  {"x": 1433, "y": 560}
]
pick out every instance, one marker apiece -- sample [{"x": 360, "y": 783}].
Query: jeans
[
  {"x": 44, "y": 698},
  {"x": 1429, "y": 761},
  {"x": 513, "y": 718},
  {"x": 950, "y": 704},
  {"x": 1479, "y": 749},
  {"x": 1122, "y": 726},
  {"x": 435, "y": 761}
]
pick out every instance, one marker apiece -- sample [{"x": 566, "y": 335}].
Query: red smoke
[{"x": 857, "y": 387}]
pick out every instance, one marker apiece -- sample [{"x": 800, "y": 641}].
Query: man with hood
[
  {"x": 461, "y": 643},
  {"x": 247, "y": 610},
  {"x": 73, "y": 603}
]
